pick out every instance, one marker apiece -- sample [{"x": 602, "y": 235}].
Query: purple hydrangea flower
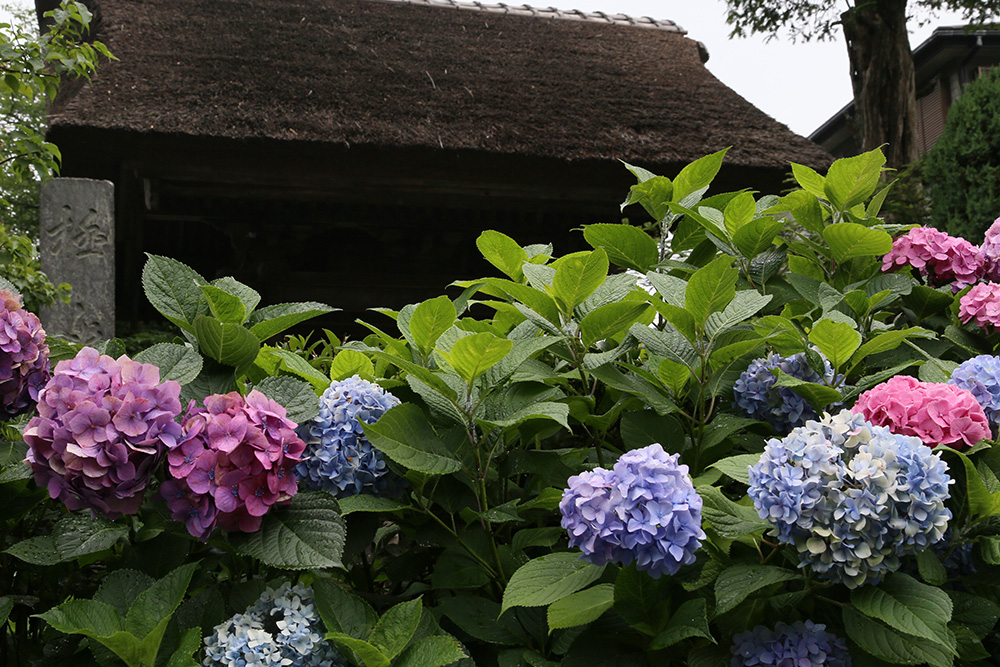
[
  {"x": 24, "y": 357},
  {"x": 234, "y": 463},
  {"x": 989, "y": 252},
  {"x": 800, "y": 644},
  {"x": 757, "y": 396},
  {"x": 851, "y": 496},
  {"x": 281, "y": 628},
  {"x": 339, "y": 459},
  {"x": 981, "y": 377},
  {"x": 102, "y": 427},
  {"x": 645, "y": 510}
]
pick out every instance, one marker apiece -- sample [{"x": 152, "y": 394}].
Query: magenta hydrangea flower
[
  {"x": 981, "y": 303},
  {"x": 989, "y": 252},
  {"x": 103, "y": 425},
  {"x": 936, "y": 413},
  {"x": 234, "y": 463},
  {"x": 24, "y": 357},
  {"x": 941, "y": 258}
]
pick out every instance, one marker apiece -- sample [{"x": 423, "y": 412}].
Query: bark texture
[{"x": 882, "y": 77}]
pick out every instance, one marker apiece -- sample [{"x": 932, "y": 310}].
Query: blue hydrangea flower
[
  {"x": 755, "y": 394},
  {"x": 800, "y": 644},
  {"x": 339, "y": 458},
  {"x": 645, "y": 510},
  {"x": 851, "y": 496},
  {"x": 281, "y": 628},
  {"x": 981, "y": 376}
]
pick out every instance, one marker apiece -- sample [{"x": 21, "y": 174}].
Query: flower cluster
[
  {"x": 797, "y": 645},
  {"x": 981, "y": 377},
  {"x": 989, "y": 252},
  {"x": 281, "y": 628},
  {"x": 982, "y": 304},
  {"x": 851, "y": 496},
  {"x": 940, "y": 257},
  {"x": 339, "y": 458},
  {"x": 644, "y": 510},
  {"x": 757, "y": 396},
  {"x": 102, "y": 427},
  {"x": 24, "y": 357},
  {"x": 936, "y": 413},
  {"x": 234, "y": 463}
]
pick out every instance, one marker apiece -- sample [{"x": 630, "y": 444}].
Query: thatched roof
[{"x": 420, "y": 74}]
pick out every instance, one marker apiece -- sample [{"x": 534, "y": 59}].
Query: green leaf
[
  {"x": 697, "y": 175},
  {"x": 640, "y": 428},
  {"x": 286, "y": 360},
  {"x": 745, "y": 304},
  {"x": 306, "y": 534},
  {"x": 342, "y": 611},
  {"x": 349, "y": 363},
  {"x": 653, "y": 194},
  {"x": 247, "y": 295},
  {"x": 473, "y": 355},
  {"x": 502, "y": 252},
  {"x": 434, "y": 651},
  {"x": 76, "y": 535},
  {"x": 737, "y": 467},
  {"x": 817, "y": 395},
  {"x": 577, "y": 276},
  {"x": 892, "y": 646},
  {"x": 536, "y": 301},
  {"x": 545, "y": 580},
  {"x": 39, "y": 550},
  {"x": 850, "y": 181},
  {"x": 370, "y": 656},
  {"x": 809, "y": 180},
  {"x": 610, "y": 319},
  {"x": 173, "y": 289},
  {"x": 224, "y": 306},
  {"x": 121, "y": 587},
  {"x": 557, "y": 412},
  {"x": 113, "y": 347},
  {"x": 711, "y": 288},
  {"x": 627, "y": 246},
  {"x": 365, "y": 503},
  {"x": 889, "y": 340},
  {"x": 740, "y": 210},
  {"x": 580, "y": 608},
  {"x": 432, "y": 318},
  {"x": 272, "y": 320},
  {"x": 727, "y": 518},
  {"x": 394, "y": 630},
  {"x": 187, "y": 645},
  {"x": 907, "y": 605},
  {"x": 405, "y": 436},
  {"x": 848, "y": 239},
  {"x": 229, "y": 344},
  {"x": 930, "y": 568},
  {"x": 668, "y": 343},
  {"x": 739, "y": 581},
  {"x": 670, "y": 288},
  {"x": 757, "y": 236},
  {"x": 176, "y": 362},
  {"x": 477, "y": 617},
  {"x": 977, "y": 613},
  {"x": 149, "y": 614},
  {"x": 837, "y": 341},
  {"x": 982, "y": 503},
  {"x": 296, "y": 396},
  {"x": 690, "y": 620}
]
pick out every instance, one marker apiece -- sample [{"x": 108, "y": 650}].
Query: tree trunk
[{"x": 885, "y": 104}]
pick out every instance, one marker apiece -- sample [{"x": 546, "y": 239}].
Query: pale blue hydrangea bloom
[
  {"x": 281, "y": 628},
  {"x": 645, "y": 510},
  {"x": 797, "y": 645},
  {"x": 339, "y": 458},
  {"x": 757, "y": 396},
  {"x": 981, "y": 376},
  {"x": 851, "y": 496}
]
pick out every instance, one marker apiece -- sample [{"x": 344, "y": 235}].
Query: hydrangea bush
[
  {"x": 24, "y": 357},
  {"x": 617, "y": 456}
]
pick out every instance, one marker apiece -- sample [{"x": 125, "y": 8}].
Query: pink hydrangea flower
[
  {"x": 934, "y": 412},
  {"x": 981, "y": 303},
  {"x": 940, "y": 257},
  {"x": 234, "y": 463},
  {"x": 989, "y": 252},
  {"x": 24, "y": 357}
]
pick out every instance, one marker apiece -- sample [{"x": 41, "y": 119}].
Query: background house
[
  {"x": 944, "y": 63},
  {"x": 350, "y": 151}
]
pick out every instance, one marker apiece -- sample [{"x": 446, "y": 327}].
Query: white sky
[{"x": 801, "y": 84}]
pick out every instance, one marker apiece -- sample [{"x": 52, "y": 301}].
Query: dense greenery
[
  {"x": 516, "y": 387},
  {"x": 963, "y": 168}
]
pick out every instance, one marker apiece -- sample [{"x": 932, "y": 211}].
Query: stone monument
[{"x": 77, "y": 246}]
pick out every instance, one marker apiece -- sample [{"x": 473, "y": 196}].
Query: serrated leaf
[
  {"x": 809, "y": 180},
  {"x": 296, "y": 396},
  {"x": 653, "y": 194},
  {"x": 229, "y": 344},
  {"x": 40, "y": 550},
  {"x": 342, "y": 611},
  {"x": 930, "y": 568},
  {"x": 545, "y": 580},
  {"x": 224, "y": 306},
  {"x": 690, "y": 620},
  {"x": 434, "y": 651},
  {"x": 272, "y": 320},
  {"x": 849, "y": 239},
  {"x": 698, "y": 175},
  {"x": 711, "y": 289},
  {"x": 610, "y": 319},
  {"x": 366, "y": 503},
  {"x": 477, "y": 617},
  {"x": 817, "y": 395},
  {"x": 76, "y": 535},
  {"x": 727, "y": 518},
  {"x": 757, "y": 236},
  {"x": 850, "y": 181},
  {"x": 907, "y": 605},
  {"x": 176, "y": 362},
  {"x": 432, "y": 318},
  {"x": 557, "y": 412},
  {"x": 577, "y": 276},
  {"x": 502, "y": 252},
  {"x": 887, "y": 644},
  {"x": 247, "y": 295},
  {"x": 405, "y": 436},
  {"x": 121, "y": 587},
  {"x": 627, "y": 246},
  {"x": 737, "y": 582},
  {"x": 744, "y": 305},
  {"x": 154, "y": 606},
  {"x": 737, "y": 467},
  {"x": 645, "y": 427},
  {"x": 349, "y": 363},
  {"x": 306, "y": 534},
  {"x": 837, "y": 341},
  {"x": 394, "y": 630},
  {"x": 580, "y": 608},
  {"x": 473, "y": 355},
  {"x": 370, "y": 656},
  {"x": 173, "y": 288}
]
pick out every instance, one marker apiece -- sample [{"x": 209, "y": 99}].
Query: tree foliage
[{"x": 963, "y": 168}]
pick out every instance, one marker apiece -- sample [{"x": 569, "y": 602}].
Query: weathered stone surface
[{"x": 77, "y": 246}]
